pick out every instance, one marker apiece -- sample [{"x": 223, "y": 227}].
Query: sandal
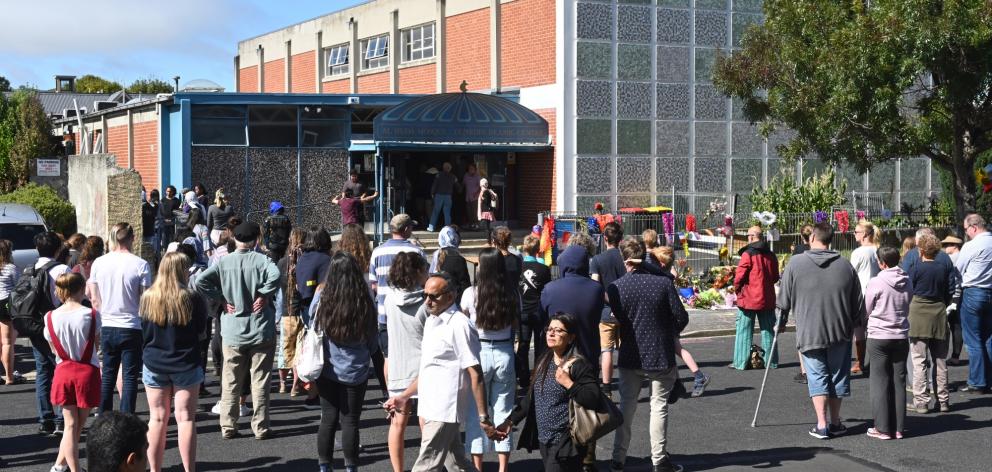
[
  {"x": 898, "y": 435},
  {"x": 874, "y": 433}
]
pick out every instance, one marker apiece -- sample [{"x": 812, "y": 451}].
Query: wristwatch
[{"x": 485, "y": 419}]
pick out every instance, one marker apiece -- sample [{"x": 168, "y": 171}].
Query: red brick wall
[
  {"x": 467, "y": 42},
  {"x": 340, "y": 86},
  {"x": 419, "y": 79},
  {"x": 248, "y": 79},
  {"x": 303, "y": 72},
  {"x": 274, "y": 78},
  {"x": 116, "y": 143},
  {"x": 374, "y": 83},
  {"x": 527, "y": 48},
  {"x": 536, "y": 185},
  {"x": 146, "y": 152}
]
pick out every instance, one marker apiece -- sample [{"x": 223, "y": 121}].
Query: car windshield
[{"x": 20, "y": 234}]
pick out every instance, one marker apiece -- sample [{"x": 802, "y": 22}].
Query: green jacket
[{"x": 238, "y": 278}]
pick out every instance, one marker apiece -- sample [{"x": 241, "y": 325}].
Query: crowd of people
[{"x": 454, "y": 350}]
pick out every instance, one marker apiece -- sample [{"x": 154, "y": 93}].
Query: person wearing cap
[
  {"x": 951, "y": 246},
  {"x": 401, "y": 227},
  {"x": 244, "y": 281},
  {"x": 352, "y": 206},
  {"x": 217, "y": 216},
  {"x": 276, "y": 230}
]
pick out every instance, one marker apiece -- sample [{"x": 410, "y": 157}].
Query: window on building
[
  {"x": 336, "y": 58},
  {"x": 218, "y": 125},
  {"x": 375, "y": 52},
  {"x": 272, "y": 126},
  {"x": 324, "y": 126},
  {"x": 418, "y": 43}
]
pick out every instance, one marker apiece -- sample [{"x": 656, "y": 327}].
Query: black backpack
[{"x": 31, "y": 299}]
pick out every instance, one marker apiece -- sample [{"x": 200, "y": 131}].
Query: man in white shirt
[
  {"x": 449, "y": 367},
  {"x": 116, "y": 282},
  {"x": 975, "y": 266},
  {"x": 48, "y": 245}
]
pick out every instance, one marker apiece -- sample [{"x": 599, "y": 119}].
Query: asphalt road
[{"x": 712, "y": 432}]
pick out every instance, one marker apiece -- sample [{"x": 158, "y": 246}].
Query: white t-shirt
[
  {"x": 120, "y": 278},
  {"x": 468, "y": 306},
  {"x": 73, "y": 330},
  {"x": 865, "y": 262},
  {"x": 53, "y": 275},
  {"x": 450, "y": 346}
]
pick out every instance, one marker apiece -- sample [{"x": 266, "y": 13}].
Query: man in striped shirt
[{"x": 401, "y": 227}]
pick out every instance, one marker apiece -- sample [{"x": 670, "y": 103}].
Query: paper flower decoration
[
  {"x": 887, "y": 214},
  {"x": 820, "y": 216},
  {"x": 843, "y": 222},
  {"x": 668, "y": 223},
  {"x": 861, "y": 215},
  {"x": 728, "y": 220},
  {"x": 766, "y": 218},
  {"x": 685, "y": 246},
  {"x": 598, "y": 206},
  {"x": 690, "y": 223}
]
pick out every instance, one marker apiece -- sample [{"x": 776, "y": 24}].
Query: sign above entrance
[{"x": 469, "y": 118}]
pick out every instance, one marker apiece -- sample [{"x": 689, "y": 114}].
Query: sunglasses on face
[{"x": 435, "y": 296}]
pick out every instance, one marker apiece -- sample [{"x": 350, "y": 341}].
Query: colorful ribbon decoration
[{"x": 843, "y": 222}]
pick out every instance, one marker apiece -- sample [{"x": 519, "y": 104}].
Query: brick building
[{"x": 624, "y": 85}]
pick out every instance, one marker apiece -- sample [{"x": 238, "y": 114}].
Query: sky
[{"x": 125, "y": 40}]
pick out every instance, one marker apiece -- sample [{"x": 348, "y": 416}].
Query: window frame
[
  {"x": 332, "y": 69},
  {"x": 378, "y": 60},
  {"x": 408, "y": 42}
]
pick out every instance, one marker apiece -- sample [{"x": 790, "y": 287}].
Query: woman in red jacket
[{"x": 755, "y": 281}]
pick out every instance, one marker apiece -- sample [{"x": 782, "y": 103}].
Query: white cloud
[{"x": 108, "y": 27}]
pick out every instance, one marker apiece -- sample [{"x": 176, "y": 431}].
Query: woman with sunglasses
[{"x": 560, "y": 375}]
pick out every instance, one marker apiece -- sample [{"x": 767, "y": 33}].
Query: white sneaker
[
  {"x": 245, "y": 411},
  {"x": 59, "y": 468},
  {"x": 216, "y": 409}
]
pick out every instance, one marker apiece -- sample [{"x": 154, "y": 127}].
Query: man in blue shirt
[{"x": 975, "y": 266}]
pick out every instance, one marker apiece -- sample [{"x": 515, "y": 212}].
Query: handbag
[
  {"x": 587, "y": 424},
  {"x": 310, "y": 354}
]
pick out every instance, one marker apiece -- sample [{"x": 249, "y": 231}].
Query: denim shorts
[
  {"x": 189, "y": 378},
  {"x": 828, "y": 371}
]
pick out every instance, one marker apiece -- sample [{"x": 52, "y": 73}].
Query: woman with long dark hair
[
  {"x": 560, "y": 375},
  {"x": 494, "y": 308},
  {"x": 289, "y": 303},
  {"x": 355, "y": 242},
  {"x": 345, "y": 313}
]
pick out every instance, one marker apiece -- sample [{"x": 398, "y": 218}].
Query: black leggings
[
  {"x": 530, "y": 327},
  {"x": 957, "y": 342},
  {"x": 555, "y": 464},
  {"x": 339, "y": 403},
  {"x": 887, "y": 360}
]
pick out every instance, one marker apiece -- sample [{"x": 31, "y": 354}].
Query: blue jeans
[
  {"x": 828, "y": 371},
  {"x": 497, "y": 361},
  {"x": 441, "y": 201},
  {"x": 976, "y": 330},
  {"x": 44, "y": 365},
  {"x": 121, "y": 348}
]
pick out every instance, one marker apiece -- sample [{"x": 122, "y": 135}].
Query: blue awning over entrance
[{"x": 460, "y": 118}]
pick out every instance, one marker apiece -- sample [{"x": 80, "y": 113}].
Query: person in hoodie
[
  {"x": 823, "y": 291},
  {"x": 754, "y": 281},
  {"x": 935, "y": 286},
  {"x": 405, "y": 317},
  {"x": 577, "y": 294},
  {"x": 887, "y": 300}
]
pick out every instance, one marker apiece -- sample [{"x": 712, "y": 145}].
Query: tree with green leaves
[
  {"x": 4, "y": 84},
  {"x": 863, "y": 82},
  {"x": 25, "y": 132},
  {"x": 90, "y": 83},
  {"x": 150, "y": 85}
]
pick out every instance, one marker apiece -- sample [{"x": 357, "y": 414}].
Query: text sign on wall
[{"x": 49, "y": 168}]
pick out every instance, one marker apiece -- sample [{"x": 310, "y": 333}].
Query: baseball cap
[
  {"x": 246, "y": 232},
  {"x": 401, "y": 222},
  {"x": 275, "y": 206}
]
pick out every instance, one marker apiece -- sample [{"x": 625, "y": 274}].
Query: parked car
[{"x": 19, "y": 223}]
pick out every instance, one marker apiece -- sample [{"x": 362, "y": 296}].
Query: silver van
[{"x": 19, "y": 224}]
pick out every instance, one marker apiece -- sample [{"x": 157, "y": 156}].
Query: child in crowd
[
  {"x": 887, "y": 301},
  {"x": 72, "y": 330}
]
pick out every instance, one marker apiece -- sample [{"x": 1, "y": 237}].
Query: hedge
[{"x": 59, "y": 215}]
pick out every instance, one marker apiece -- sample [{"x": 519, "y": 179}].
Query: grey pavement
[{"x": 712, "y": 432}]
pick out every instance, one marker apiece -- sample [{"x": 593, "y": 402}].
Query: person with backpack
[
  {"x": 276, "y": 230},
  {"x": 116, "y": 282},
  {"x": 72, "y": 330},
  {"x": 33, "y": 296}
]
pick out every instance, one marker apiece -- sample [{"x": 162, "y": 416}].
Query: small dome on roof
[{"x": 201, "y": 85}]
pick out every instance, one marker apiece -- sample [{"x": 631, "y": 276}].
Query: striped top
[
  {"x": 8, "y": 278},
  {"x": 381, "y": 260}
]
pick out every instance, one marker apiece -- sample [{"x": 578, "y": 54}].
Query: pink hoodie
[{"x": 887, "y": 304}]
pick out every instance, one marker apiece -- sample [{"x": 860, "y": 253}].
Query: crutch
[{"x": 768, "y": 364}]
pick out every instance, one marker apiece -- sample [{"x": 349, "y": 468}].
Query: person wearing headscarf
[
  {"x": 487, "y": 205},
  {"x": 447, "y": 259},
  {"x": 197, "y": 225}
]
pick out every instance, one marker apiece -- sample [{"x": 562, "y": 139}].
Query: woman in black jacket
[
  {"x": 448, "y": 259},
  {"x": 545, "y": 408}
]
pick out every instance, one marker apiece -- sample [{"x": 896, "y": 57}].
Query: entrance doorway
[{"x": 409, "y": 177}]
